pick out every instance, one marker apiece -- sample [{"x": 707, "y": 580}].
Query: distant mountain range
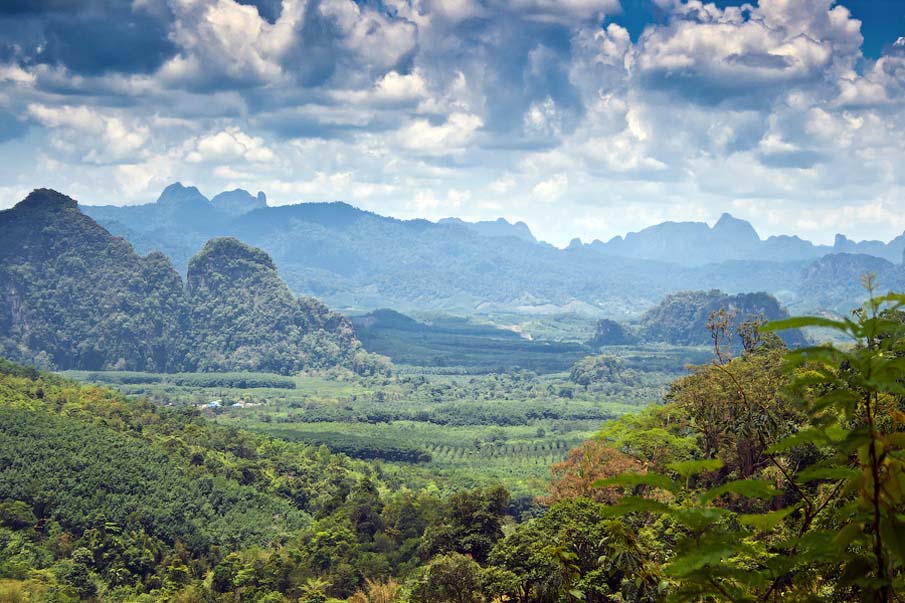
[
  {"x": 358, "y": 260},
  {"x": 696, "y": 243}
]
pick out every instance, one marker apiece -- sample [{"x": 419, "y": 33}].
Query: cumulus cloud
[
  {"x": 450, "y": 137},
  {"x": 229, "y": 145},
  {"x": 81, "y": 132},
  {"x": 551, "y": 189},
  {"x": 471, "y": 107}
]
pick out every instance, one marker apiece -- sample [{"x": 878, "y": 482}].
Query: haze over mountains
[{"x": 358, "y": 260}]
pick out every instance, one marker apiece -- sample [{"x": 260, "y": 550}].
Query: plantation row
[
  {"x": 237, "y": 380},
  {"x": 514, "y": 451}
]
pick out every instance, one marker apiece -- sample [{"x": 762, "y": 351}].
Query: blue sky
[{"x": 583, "y": 118}]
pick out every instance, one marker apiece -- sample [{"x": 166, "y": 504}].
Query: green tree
[
  {"x": 449, "y": 578},
  {"x": 828, "y": 524}
]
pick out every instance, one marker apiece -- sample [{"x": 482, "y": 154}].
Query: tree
[
  {"x": 471, "y": 524},
  {"x": 595, "y": 370},
  {"x": 589, "y": 462},
  {"x": 448, "y": 578},
  {"x": 828, "y": 524}
]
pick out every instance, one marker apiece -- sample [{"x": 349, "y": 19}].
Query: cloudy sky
[{"x": 581, "y": 117}]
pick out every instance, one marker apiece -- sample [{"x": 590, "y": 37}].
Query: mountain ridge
[
  {"x": 358, "y": 260},
  {"x": 75, "y": 296}
]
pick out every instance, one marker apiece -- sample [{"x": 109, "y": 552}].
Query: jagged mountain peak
[
  {"x": 501, "y": 227},
  {"x": 239, "y": 201},
  {"x": 739, "y": 230},
  {"x": 178, "y": 194}
]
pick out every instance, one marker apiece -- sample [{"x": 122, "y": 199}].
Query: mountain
[
  {"x": 495, "y": 228},
  {"x": 696, "y": 243},
  {"x": 784, "y": 248},
  {"x": 681, "y": 318},
  {"x": 182, "y": 197},
  {"x": 837, "y": 277},
  {"x": 358, "y": 260},
  {"x": 74, "y": 296},
  {"x": 245, "y": 318},
  {"x": 238, "y": 202},
  {"x": 891, "y": 251}
]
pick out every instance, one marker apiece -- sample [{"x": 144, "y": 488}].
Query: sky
[{"x": 583, "y": 118}]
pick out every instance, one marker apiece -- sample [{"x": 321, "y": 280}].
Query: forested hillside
[
  {"x": 75, "y": 296},
  {"x": 360, "y": 260},
  {"x": 764, "y": 474},
  {"x": 243, "y": 317},
  {"x": 693, "y": 318}
]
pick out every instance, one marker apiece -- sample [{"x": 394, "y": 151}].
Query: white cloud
[
  {"x": 567, "y": 10},
  {"x": 393, "y": 87},
  {"x": 229, "y": 145},
  {"x": 379, "y": 41},
  {"x": 14, "y": 73},
  {"x": 486, "y": 108},
  {"x": 94, "y": 137},
  {"x": 449, "y": 137},
  {"x": 223, "y": 42},
  {"x": 552, "y": 189}
]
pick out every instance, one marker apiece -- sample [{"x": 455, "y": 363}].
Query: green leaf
[
  {"x": 702, "y": 555},
  {"x": 798, "y": 322},
  {"x": 688, "y": 468},
  {"x": 699, "y": 518},
  {"x": 750, "y": 488},
  {"x": 812, "y": 474},
  {"x": 636, "y": 504},
  {"x": 814, "y": 436},
  {"x": 638, "y": 479},
  {"x": 765, "y": 522},
  {"x": 894, "y": 536}
]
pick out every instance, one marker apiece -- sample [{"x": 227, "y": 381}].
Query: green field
[
  {"x": 451, "y": 430},
  {"x": 464, "y": 344}
]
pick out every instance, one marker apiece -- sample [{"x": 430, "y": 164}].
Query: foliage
[
  {"x": 609, "y": 332},
  {"x": 682, "y": 318},
  {"x": 470, "y": 524},
  {"x": 356, "y": 446},
  {"x": 449, "y": 578},
  {"x": 591, "y": 461},
  {"x": 797, "y": 496},
  {"x": 244, "y": 317},
  {"x": 76, "y": 297},
  {"x": 594, "y": 370},
  {"x": 464, "y": 431}
]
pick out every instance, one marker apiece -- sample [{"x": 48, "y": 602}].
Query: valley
[
  {"x": 452, "y": 301},
  {"x": 436, "y": 426}
]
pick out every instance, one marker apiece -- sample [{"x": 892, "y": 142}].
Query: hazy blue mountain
[
  {"x": 833, "y": 282},
  {"x": 495, "y": 228},
  {"x": 238, "y": 202},
  {"x": 891, "y": 251},
  {"x": 783, "y": 248},
  {"x": 182, "y": 197},
  {"x": 689, "y": 243},
  {"x": 358, "y": 260}
]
